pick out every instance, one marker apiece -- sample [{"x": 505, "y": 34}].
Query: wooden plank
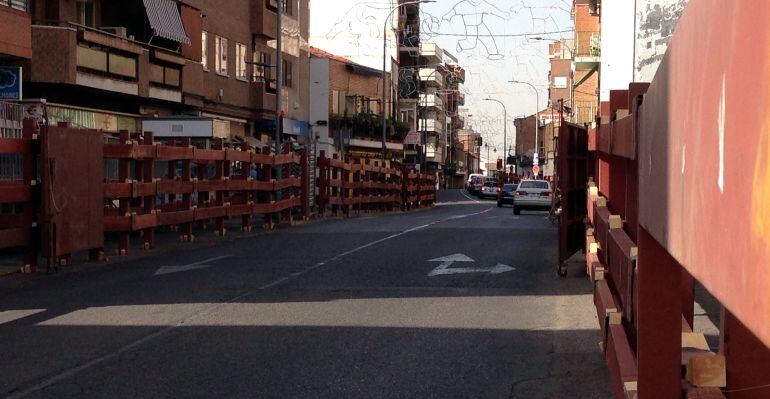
[
  {"x": 17, "y": 237},
  {"x": 15, "y": 146},
  {"x": 14, "y": 191}
]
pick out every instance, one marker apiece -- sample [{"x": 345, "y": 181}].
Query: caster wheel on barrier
[{"x": 562, "y": 271}]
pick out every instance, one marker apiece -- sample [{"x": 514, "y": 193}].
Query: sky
[{"x": 492, "y": 40}]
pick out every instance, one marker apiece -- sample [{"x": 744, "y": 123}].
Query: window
[
  {"x": 85, "y": 12},
  {"x": 287, "y": 9},
  {"x": 287, "y": 73},
  {"x": 560, "y": 82},
  {"x": 221, "y": 60},
  {"x": 240, "y": 62},
  {"x": 259, "y": 67},
  {"x": 205, "y": 50},
  {"x": 22, "y": 5},
  {"x": 263, "y": 70}
]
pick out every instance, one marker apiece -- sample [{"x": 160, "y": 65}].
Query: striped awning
[{"x": 165, "y": 20}]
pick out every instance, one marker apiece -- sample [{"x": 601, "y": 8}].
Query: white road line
[
  {"x": 468, "y": 196},
  {"x": 94, "y": 362},
  {"x": 371, "y": 244}
]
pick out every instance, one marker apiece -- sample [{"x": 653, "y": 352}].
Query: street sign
[
  {"x": 536, "y": 159},
  {"x": 535, "y": 169},
  {"x": 10, "y": 83},
  {"x": 447, "y": 261}
]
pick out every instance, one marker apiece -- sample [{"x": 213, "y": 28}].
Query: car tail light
[
  {"x": 498, "y": 189},
  {"x": 546, "y": 194},
  {"x": 519, "y": 192}
]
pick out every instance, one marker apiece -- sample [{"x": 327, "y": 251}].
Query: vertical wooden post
[
  {"x": 747, "y": 360},
  {"x": 267, "y": 175},
  {"x": 287, "y": 193},
  {"x": 186, "y": 227},
  {"x": 248, "y": 195},
  {"x": 124, "y": 172},
  {"x": 305, "y": 178},
  {"x": 322, "y": 183},
  {"x": 658, "y": 321},
  {"x": 335, "y": 190},
  {"x": 148, "y": 176}
]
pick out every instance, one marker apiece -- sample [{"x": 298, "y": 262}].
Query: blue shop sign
[
  {"x": 10, "y": 83},
  {"x": 295, "y": 127}
]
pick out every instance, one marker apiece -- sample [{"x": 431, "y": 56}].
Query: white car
[{"x": 532, "y": 194}]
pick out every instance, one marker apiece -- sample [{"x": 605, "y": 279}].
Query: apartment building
[
  {"x": 408, "y": 83},
  {"x": 455, "y": 170},
  {"x": 109, "y": 65},
  {"x": 348, "y": 97},
  {"x": 15, "y": 46}
]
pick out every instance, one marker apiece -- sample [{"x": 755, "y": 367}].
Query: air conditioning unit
[{"x": 116, "y": 30}]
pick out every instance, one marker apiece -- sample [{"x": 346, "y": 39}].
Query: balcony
[
  {"x": 408, "y": 41},
  {"x": 455, "y": 75},
  {"x": 587, "y": 49},
  {"x": 432, "y": 53},
  {"x": 263, "y": 20},
  {"x": 83, "y": 56},
  {"x": 15, "y": 30},
  {"x": 431, "y": 101},
  {"x": 431, "y": 77},
  {"x": 430, "y": 125}
]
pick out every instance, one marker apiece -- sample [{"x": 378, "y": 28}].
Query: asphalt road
[{"x": 332, "y": 309}]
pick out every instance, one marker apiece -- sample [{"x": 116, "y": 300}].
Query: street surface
[{"x": 460, "y": 301}]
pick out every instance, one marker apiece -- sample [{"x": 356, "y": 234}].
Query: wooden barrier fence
[
  {"x": 370, "y": 186},
  {"x": 198, "y": 186},
  {"x": 18, "y": 137}
]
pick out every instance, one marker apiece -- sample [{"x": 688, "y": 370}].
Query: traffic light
[
  {"x": 499, "y": 164},
  {"x": 479, "y": 142}
]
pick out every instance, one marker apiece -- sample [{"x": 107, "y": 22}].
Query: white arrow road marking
[
  {"x": 192, "y": 266},
  {"x": 447, "y": 261}
]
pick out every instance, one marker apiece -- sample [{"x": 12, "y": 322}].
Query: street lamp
[
  {"x": 505, "y": 127},
  {"x": 537, "y": 117},
  {"x": 384, "y": 61}
]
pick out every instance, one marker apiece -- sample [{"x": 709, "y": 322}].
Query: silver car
[{"x": 532, "y": 194}]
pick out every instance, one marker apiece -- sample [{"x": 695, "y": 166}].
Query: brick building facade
[{"x": 108, "y": 65}]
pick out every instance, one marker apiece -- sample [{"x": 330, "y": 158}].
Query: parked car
[
  {"x": 489, "y": 189},
  {"x": 475, "y": 184},
  {"x": 506, "y": 194},
  {"x": 532, "y": 194}
]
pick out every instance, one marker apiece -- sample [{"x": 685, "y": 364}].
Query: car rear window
[
  {"x": 509, "y": 187},
  {"x": 490, "y": 184},
  {"x": 534, "y": 184}
]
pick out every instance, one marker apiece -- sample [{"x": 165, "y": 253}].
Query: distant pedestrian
[{"x": 254, "y": 174}]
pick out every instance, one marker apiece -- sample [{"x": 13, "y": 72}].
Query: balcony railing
[
  {"x": 431, "y": 101},
  {"x": 587, "y": 44},
  {"x": 432, "y": 52},
  {"x": 431, "y": 77},
  {"x": 430, "y": 125}
]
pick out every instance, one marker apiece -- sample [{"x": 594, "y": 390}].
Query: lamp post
[
  {"x": 537, "y": 116},
  {"x": 505, "y": 129},
  {"x": 384, "y": 61}
]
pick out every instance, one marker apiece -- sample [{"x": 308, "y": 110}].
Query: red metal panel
[
  {"x": 620, "y": 359},
  {"x": 571, "y": 184},
  {"x": 73, "y": 198},
  {"x": 623, "y": 142},
  {"x": 705, "y": 155}
]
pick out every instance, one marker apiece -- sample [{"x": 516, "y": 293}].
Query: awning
[{"x": 165, "y": 20}]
